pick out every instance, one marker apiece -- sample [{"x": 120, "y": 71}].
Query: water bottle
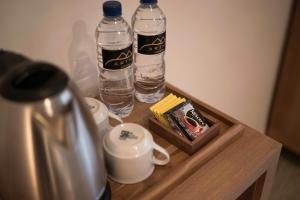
[
  {"x": 114, "y": 54},
  {"x": 82, "y": 63},
  {"x": 149, "y": 29}
]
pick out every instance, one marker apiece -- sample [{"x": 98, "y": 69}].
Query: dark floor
[{"x": 286, "y": 185}]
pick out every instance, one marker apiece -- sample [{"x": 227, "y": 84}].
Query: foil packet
[{"x": 185, "y": 119}]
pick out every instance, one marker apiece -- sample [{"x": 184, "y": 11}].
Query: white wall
[{"x": 225, "y": 52}]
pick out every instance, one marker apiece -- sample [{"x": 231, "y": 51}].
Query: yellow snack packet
[
  {"x": 162, "y": 105},
  {"x": 167, "y": 107},
  {"x": 153, "y": 107}
]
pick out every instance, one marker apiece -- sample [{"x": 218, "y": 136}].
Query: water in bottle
[
  {"x": 149, "y": 29},
  {"x": 114, "y": 54}
]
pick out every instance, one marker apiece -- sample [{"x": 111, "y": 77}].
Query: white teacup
[
  {"x": 128, "y": 150},
  {"x": 101, "y": 115}
]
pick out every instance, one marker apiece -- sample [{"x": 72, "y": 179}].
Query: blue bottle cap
[
  {"x": 148, "y": 1},
  {"x": 112, "y": 9}
]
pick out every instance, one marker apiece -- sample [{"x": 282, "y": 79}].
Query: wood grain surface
[
  {"x": 173, "y": 180},
  {"x": 233, "y": 171}
]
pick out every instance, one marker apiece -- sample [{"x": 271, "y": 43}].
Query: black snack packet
[
  {"x": 190, "y": 121},
  {"x": 173, "y": 124}
]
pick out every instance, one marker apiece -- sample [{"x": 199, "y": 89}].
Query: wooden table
[{"x": 243, "y": 170}]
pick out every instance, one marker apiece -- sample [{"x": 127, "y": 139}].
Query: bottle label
[
  {"x": 117, "y": 59},
  {"x": 153, "y": 44}
]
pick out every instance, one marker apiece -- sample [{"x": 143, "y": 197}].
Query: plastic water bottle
[
  {"x": 114, "y": 49},
  {"x": 149, "y": 28},
  {"x": 82, "y": 63}
]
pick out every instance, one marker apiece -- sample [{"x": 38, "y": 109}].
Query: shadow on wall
[{"x": 82, "y": 60}]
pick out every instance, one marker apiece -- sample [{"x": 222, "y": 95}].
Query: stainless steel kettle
[{"x": 49, "y": 146}]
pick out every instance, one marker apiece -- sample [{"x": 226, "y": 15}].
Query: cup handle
[
  {"x": 164, "y": 152},
  {"x": 116, "y": 117}
]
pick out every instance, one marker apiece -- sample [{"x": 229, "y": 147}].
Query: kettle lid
[
  {"x": 33, "y": 81},
  {"x": 9, "y": 61}
]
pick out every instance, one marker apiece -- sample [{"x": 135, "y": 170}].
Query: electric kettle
[{"x": 49, "y": 146}]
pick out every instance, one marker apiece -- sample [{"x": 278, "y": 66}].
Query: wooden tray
[
  {"x": 181, "y": 165},
  {"x": 183, "y": 143}
]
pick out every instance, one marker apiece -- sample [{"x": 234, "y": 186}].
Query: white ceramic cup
[
  {"x": 101, "y": 115},
  {"x": 128, "y": 151}
]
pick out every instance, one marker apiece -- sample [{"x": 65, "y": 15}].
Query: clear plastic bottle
[
  {"x": 149, "y": 29},
  {"x": 82, "y": 62},
  {"x": 114, "y": 54}
]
